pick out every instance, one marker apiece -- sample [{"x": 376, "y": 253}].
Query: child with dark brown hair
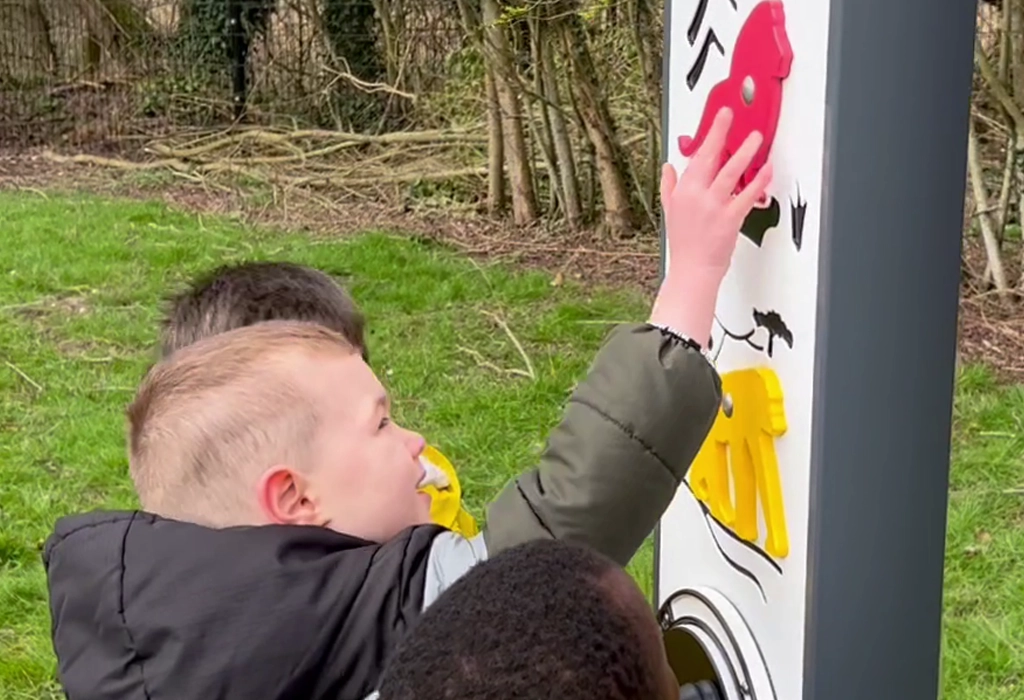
[
  {"x": 236, "y": 296},
  {"x": 285, "y": 550}
]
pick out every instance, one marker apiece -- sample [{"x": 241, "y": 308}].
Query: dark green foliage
[
  {"x": 203, "y": 30},
  {"x": 351, "y": 28}
]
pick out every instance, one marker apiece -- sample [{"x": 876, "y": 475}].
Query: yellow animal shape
[
  {"x": 446, "y": 499},
  {"x": 743, "y": 445}
]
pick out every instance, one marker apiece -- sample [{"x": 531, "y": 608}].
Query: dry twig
[
  {"x": 515, "y": 341},
  {"x": 21, "y": 373},
  {"x": 482, "y": 362}
]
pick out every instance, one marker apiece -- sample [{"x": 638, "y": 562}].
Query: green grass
[
  {"x": 984, "y": 588},
  {"x": 80, "y": 282}
]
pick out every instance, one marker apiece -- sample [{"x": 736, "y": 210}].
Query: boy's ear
[{"x": 284, "y": 498}]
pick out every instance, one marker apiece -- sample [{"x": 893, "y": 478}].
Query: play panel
[{"x": 802, "y": 557}]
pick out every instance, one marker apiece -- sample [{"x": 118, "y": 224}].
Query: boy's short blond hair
[{"x": 209, "y": 419}]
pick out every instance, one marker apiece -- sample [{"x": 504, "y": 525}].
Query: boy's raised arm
[
  {"x": 613, "y": 464},
  {"x": 634, "y": 425}
]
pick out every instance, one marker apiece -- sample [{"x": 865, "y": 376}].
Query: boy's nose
[{"x": 417, "y": 443}]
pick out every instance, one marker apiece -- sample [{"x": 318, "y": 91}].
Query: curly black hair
[
  {"x": 541, "y": 620},
  {"x": 234, "y": 296}
]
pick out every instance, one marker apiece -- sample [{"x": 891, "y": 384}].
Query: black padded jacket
[{"x": 145, "y": 608}]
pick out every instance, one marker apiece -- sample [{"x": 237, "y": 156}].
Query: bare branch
[
  {"x": 981, "y": 202},
  {"x": 997, "y": 87}
]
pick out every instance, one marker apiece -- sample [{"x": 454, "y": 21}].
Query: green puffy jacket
[{"x": 613, "y": 465}]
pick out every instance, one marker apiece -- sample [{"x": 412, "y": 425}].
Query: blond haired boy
[{"x": 285, "y": 546}]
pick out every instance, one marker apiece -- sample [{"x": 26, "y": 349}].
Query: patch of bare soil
[
  {"x": 585, "y": 256},
  {"x": 991, "y": 330}
]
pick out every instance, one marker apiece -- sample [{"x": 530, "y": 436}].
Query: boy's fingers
[
  {"x": 708, "y": 159},
  {"x": 743, "y": 202},
  {"x": 668, "y": 183},
  {"x": 727, "y": 179}
]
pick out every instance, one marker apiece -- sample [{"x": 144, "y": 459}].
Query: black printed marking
[
  {"x": 798, "y": 211},
  {"x": 772, "y": 322},
  {"x": 750, "y": 546},
  {"x": 743, "y": 338},
  {"x": 761, "y": 219},
  {"x": 693, "y": 75},
  {"x": 743, "y": 571},
  {"x": 698, "y": 19}
]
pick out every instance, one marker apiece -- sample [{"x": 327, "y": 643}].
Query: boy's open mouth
[{"x": 433, "y": 476}]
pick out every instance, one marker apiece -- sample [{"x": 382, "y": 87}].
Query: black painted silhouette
[
  {"x": 693, "y": 76},
  {"x": 744, "y": 337},
  {"x": 698, "y": 19},
  {"x": 715, "y": 527},
  {"x": 772, "y": 322},
  {"x": 759, "y": 220},
  {"x": 710, "y": 39},
  {"x": 798, "y": 210}
]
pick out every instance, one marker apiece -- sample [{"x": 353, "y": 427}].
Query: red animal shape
[{"x": 761, "y": 60}]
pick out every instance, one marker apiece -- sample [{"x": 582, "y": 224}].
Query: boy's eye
[{"x": 384, "y": 422}]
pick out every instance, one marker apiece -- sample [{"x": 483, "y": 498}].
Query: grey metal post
[
  {"x": 898, "y": 94},
  {"x": 897, "y": 105}
]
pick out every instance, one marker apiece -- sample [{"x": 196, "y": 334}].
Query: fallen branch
[
  {"x": 220, "y": 167},
  {"x": 118, "y": 163},
  {"x": 86, "y": 85},
  {"x": 343, "y": 139},
  {"x": 21, "y": 373},
  {"x": 299, "y": 156},
  {"x": 401, "y": 178},
  {"x": 481, "y": 362}
]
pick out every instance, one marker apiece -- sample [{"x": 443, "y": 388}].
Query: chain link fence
[{"x": 94, "y": 72}]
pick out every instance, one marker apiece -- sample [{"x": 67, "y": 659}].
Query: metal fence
[{"x": 106, "y": 71}]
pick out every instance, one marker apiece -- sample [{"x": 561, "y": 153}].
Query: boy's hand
[
  {"x": 702, "y": 223},
  {"x": 702, "y": 217}
]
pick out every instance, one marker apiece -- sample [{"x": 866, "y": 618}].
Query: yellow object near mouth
[{"x": 446, "y": 502}]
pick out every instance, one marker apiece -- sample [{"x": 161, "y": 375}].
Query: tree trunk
[
  {"x": 495, "y": 136},
  {"x": 495, "y": 149},
  {"x": 566, "y": 181},
  {"x": 988, "y": 236},
  {"x": 597, "y": 120},
  {"x": 517, "y": 155},
  {"x": 542, "y": 131},
  {"x": 1016, "y": 46},
  {"x": 648, "y": 47},
  {"x": 27, "y": 52},
  {"x": 1006, "y": 46},
  {"x": 114, "y": 28}
]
